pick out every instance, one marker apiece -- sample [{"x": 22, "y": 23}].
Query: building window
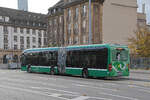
[
  {"x": 5, "y": 46},
  {"x": 21, "y": 30},
  {"x": 39, "y": 24},
  {"x": 69, "y": 28},
  {"x": 54, "y": 10},
  {"x": 45, "y": 41},
  {"x": 76, "y": 28},
  {"x": 55, "y": 21},
  {"x": 5, "y": 39},
  {"x": 1, "y": 18},
  {"x": 33, "y": 23},
  {"x": 6, "y": 19},
  {"x": 22, "y": 47},
  {"x": 33, "y": 46},
  {"x": 84, "y": 10},
  {"x": 28, "y": 40},
  {"x": 45, "y": 34},
  {"x": 15, "y": 29},
  {"x": 69, "y": 14},
  {"x": 22, "y": 40},
  {"x": 28, "y": 31},
  {"x": 15, "y": 47},
  {"x": 39, "y": 41},
  {"x": 33, "y": 32},
  {"x": 76, "y": 40},
  {"x": 76, "y": 13},
  {"x": 15, "y": 39},
  {"x": 69, "y": 41},
  {"x": 5, "y": 30},
  {"x": 39, "y": 33},
  {"x": 84, "y": 26},
  {"x": 50, "y": 22},
  {"x": 28, "y": 46},
  {"x": 60, "y": 19},
  {"x": 28, "y": 23},
  {"x": 34, "y": 40}
]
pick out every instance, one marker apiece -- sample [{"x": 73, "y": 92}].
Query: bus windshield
[{"x": 119, "y": 55}]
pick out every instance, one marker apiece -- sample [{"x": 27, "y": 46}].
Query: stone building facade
[
  {"x": 68, "y": 22},
  {"x": 21, "y": 30},
  {"x": 141, "y": 20},
  {"x": 119, "y": 21}
]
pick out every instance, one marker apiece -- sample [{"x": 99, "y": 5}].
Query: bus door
[
  {"x": 61, "y": 60},
  {"x": 119, "y": 60}
]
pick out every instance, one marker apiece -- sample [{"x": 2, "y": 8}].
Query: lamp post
[{"x": 90, "y": 24}]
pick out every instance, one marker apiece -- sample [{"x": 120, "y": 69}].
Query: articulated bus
[{"x": 99, "y": 60}]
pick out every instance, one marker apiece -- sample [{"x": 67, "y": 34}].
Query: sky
[
  {"x": 38, "y": 6},
  {"x": 41, "y": 6}
]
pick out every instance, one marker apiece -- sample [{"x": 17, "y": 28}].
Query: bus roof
[
  {"x": 74, "y": 47},
  {"x": 41, "y": 49}
]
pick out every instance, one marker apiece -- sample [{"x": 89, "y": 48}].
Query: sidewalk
[{"x": 140, "y": 71}]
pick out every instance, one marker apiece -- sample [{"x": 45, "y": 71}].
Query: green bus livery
[{"x": 99, "y": 60}]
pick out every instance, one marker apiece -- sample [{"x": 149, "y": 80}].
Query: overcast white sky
[{"x": 39, "y": 6}]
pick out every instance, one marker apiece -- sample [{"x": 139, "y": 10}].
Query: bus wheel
[
  {"x": 52, "y": 72},
  {"x": 29, "y": 70},
  {"x": 85, "y": 73}
]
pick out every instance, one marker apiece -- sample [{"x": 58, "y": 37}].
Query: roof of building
[
  {"x": 22, "y": 15},
  {"x": 141, "y": 16},
  {"x": 59, "y": 4},
  {"x": 62, "y": 3}
]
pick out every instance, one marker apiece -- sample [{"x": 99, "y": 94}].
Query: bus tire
[
  {"x": 29, "y": 69},
  {"x": 52, "y": 71},
  {"x": 85, "y": 73}
]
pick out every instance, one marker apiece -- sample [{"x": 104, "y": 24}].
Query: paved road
[{"x": 18, "y": 85}]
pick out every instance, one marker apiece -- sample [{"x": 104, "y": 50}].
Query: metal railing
[{"x": 140, "y": 62}]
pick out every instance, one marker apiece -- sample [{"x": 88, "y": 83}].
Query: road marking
[
  {"x": 79, "y": 85},
  {"x": 81, "y": 98},
  {"x": 96, "y": 87},
  {"x": 100, "y": 87},
  {"x": 144, "y": 90},
  {"x": 125, "y": 97},
  {"x": 55, "y": 95},
  {"x": 87, "y": 97},
  {"x": 110, "y": 84},
  {"x": 41, "y": 88}
]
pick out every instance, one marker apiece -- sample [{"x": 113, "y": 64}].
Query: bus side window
[
  {"x": 52, "y": 58},
  {"x": 23, "y": 60},
  {"x": 68, "y": 59}
]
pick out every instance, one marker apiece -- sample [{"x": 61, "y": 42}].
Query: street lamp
[{"x": 90, "y": 24}]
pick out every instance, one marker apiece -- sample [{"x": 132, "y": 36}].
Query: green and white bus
[{"x": 99, "y": 60}]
